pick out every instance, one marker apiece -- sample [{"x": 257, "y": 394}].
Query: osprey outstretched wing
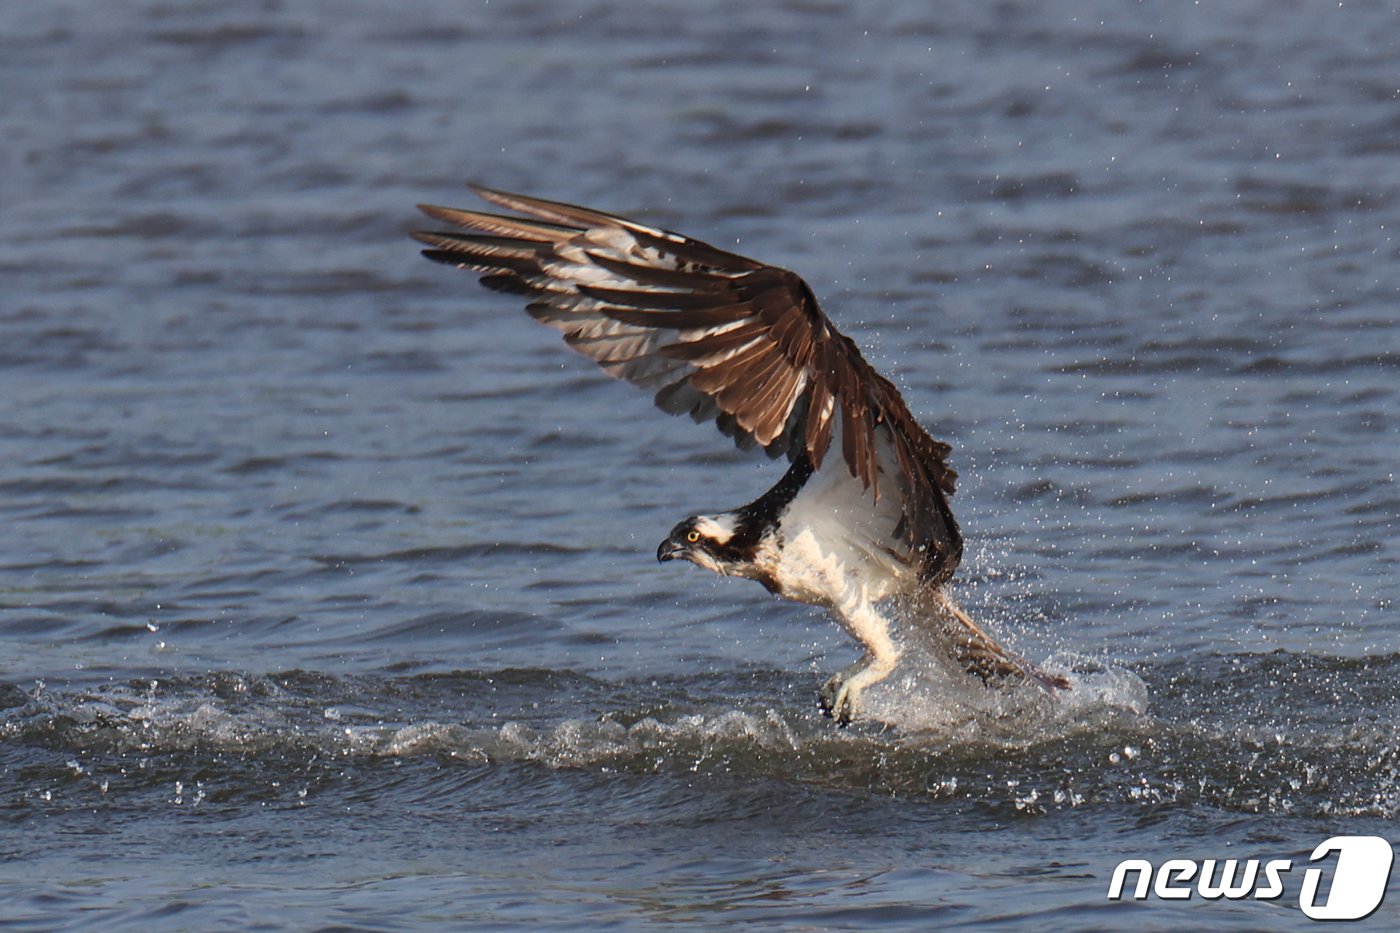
[{"x": 725, "y": 338}]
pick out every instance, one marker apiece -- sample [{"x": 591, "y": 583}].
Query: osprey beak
[{"x": 669, "y": 550}]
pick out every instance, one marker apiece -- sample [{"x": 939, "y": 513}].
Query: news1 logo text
[{"x": 1358, "y": 880}]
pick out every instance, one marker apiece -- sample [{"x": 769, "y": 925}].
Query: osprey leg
[{"x": 840, "y": 697}]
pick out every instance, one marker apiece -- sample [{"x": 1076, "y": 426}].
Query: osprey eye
[{"x": 692, "y": 536}]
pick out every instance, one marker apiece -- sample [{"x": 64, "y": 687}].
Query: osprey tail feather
[{"x": 983, "y": 655}]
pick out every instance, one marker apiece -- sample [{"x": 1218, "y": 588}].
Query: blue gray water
[{"x": 327, "y": 595}]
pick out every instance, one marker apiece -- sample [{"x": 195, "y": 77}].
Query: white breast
[{"x": 839, "y": 543}]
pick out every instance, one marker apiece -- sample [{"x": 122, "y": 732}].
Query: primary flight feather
[{"x": 862, "y": 514}]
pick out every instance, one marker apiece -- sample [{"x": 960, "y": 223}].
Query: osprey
[{"x": 861, "y": 517}]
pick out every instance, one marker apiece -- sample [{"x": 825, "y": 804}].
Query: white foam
[{"x": 929, "y": 694}]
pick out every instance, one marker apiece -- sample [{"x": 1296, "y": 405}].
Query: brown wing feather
[{"x": 725, "y": 338}]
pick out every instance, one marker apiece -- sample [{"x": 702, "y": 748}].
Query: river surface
[{"x": 327, "y": 587}]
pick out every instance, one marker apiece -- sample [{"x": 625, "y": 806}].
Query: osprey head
[{"x": 703, "y": 540}]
